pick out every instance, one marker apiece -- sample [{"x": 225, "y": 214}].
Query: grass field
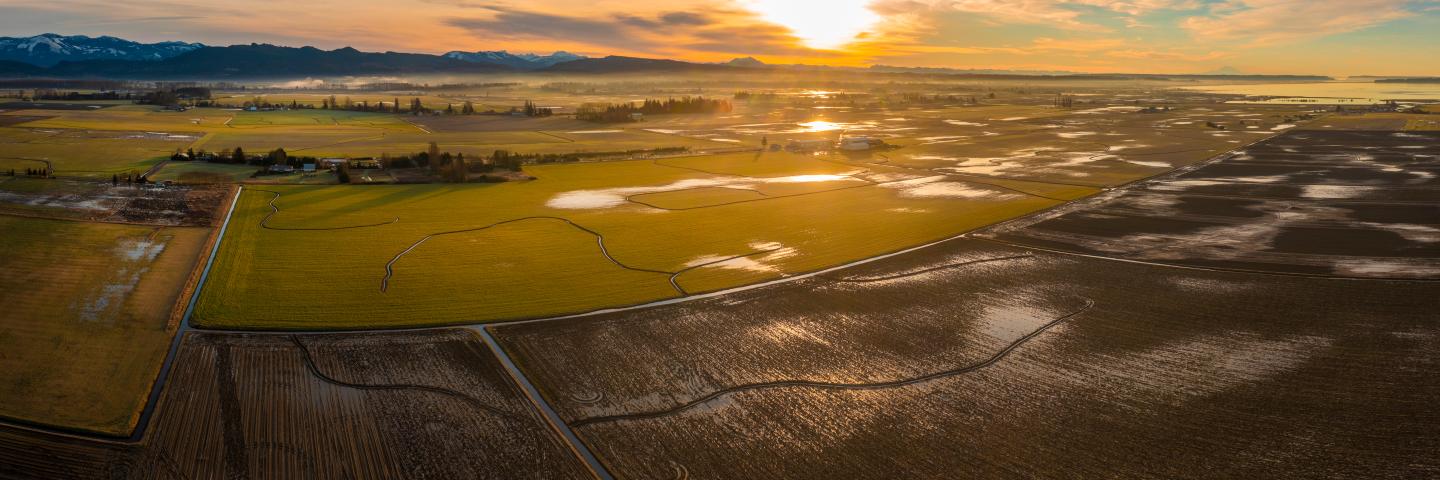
[
  {"x": 84, "y": 327},
  {"x": 811, "y": 217},
  {"x": 74, "y": 153}
]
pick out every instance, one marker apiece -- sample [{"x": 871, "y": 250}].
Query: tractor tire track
[
  {"x": 993, "y": 359},
  {"x": 265, "y": 222}
]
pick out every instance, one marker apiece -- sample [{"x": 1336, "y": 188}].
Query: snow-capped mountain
[
  {"x": 49, "y": 49},
  {"x": 524, "y": 61}
]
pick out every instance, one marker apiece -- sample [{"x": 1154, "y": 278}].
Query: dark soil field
[
  {"x": 1343, "y": 203},
  {"x": 978, "y": 360},
  {"x": 430, "y": 404}
]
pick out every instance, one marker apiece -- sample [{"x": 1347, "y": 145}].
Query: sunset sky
[{"x": 1333, "y": 37}]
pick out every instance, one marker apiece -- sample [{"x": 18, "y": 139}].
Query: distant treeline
[
  {"x": 413, "y": 107},
  {"x": 175, "y": 96},
  {"x": 1409, "y": 80},
  {"x": 625, "y": 112},
  {"x": 67, "y": 84},
  {"x": 393, "y": 86}
]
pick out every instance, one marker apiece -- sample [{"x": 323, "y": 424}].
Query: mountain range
[
  {"x": 49, "y": 49},
  {"x": 524, "y": 61},
  {"x": 57, "y": 56}
]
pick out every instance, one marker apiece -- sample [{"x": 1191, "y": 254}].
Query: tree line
[{"x": 625, "y": 112}]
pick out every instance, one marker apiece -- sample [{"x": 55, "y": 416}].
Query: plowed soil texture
[
  {"x": 433, "y": 404},
  {"x": 975, "y": 359}
]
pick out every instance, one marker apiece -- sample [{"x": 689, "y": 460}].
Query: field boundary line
[
  {"x": 964, "y": 369},
  {"x": 160, "y": 380},
  {"x": 576, "y": 445},
  {"x": 927, "y": 270}
]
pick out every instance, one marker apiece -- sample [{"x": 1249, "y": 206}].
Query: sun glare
[
  {"x": 820, "y": 126},
  {"x": 822, "y": 24}
]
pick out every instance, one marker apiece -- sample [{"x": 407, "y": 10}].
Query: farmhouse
[
  {"x": 333, "y": 162},
  {"x": 281, "y": 169}
]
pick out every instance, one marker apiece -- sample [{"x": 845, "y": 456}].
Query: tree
[
  {"x": 279, "y": 157},
  {"x": 114, "y": 180},
  {"x": 397, "y": 105},
  {"x": 461, "y": 172},
  {"x": 238, "y": 156},
  {"x": 433, "y": 156},
  {"x": 343, "y": 172}
]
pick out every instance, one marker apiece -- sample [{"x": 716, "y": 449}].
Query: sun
[{"x": 820, "y": 24}]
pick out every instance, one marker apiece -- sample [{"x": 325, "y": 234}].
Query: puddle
[
  {"x": 136, "y": 254},
  {"x": 1331, "y": 192},
  {"x": 614, "y": 197},
  {"x": 755, "y": 263},
  {"x": 937, "y": 187}
]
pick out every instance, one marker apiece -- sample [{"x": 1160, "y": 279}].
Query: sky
[{"x": 1327, "y": 37}]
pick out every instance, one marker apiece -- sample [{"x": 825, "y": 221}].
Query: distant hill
[
  {"x": 1409, "y": 80},
  {"x": 525, "y": 61},
  {"x": 77, "y": 57},
  {"x": 618, "y": 64},
  {"x": 20, "y": 68},
  {"x": 1226, "y": 70},
  {"x": 49, "y": 49},
  {"x": 264, "y": 61},
  {"x": 966, "y": 71},
  {"x": 750, "y": 62}
]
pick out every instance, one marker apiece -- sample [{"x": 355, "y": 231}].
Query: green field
[
  {"x": 274, "y": 278},
  {"x": 87, "y": 318}
]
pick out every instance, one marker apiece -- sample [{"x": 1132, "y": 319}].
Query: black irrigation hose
[
  {"x": 842, "y": 386},
  {"x": 265, "y": 222},
  {"x": 599, "y": 239},
  {"x": 314, "y": 370},
  {"x": 631, "y": 198},
  {"x": 926, "y": 270}
]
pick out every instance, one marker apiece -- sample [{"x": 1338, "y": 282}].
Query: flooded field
[
  {"x": 1329, "y": 93},
  {"x": 105, "y": 290},
  {"x": 1348, "y": 204},
  {"x": 988, "y": 360}
]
